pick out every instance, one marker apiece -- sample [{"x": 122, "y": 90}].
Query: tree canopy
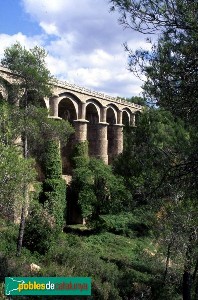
[
  {"x": 30, "y": 71},
  {"x": 154, "y": 16}
]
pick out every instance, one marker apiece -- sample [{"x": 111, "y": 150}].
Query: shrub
[{"x": 39, "y": 230}]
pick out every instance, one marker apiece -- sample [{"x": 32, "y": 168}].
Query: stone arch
[
  {"x": 112, "y": 114},
  {"x": 92, "y": 116},
  {"x": 68, "y": 108},
  {"x": 97, "y": 109},
  {"x": 126, "y": 116}
]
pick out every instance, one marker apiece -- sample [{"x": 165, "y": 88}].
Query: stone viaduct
[{"x": 96, "y": 117}]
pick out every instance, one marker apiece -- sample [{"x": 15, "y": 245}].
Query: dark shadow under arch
[
  {"x": 92, "y": 130},
  {"x": 125, "y": 118},
  {"x": 67, "y": 110}
]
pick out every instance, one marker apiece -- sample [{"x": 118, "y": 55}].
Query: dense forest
[{"x": 140, "y": 238}]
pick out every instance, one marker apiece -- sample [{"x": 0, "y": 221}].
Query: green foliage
[
  {"x": 106, "y": 258},
  {"x": 169, "y": 75},
  {"x": 30, "y": 77},
  {"x": 153, "y": 16},
  {"x": 15, "y": 174},
  {"x": 40, "y": 129},
  {"x": 78, "y": 260},
  {"x": 8, "y": 234},
  {"x": 152, "y": 150},
  {"x": 30, "y": 67},
  {"x": 10, "y": 123},
  {"x": 30, "y": 85},
  {"x": 135, "y": 99},
  {"x": 81, "y": 149},
  {"x": 54, "y": 187},
  {"x": 119, "y": 266},
  {"x": 58, "y": 129},
  {"x": 99, "y": 191},
  {"x": 52, "y": 160},
  {"x": 55, "y": 199},
  {"x": 170, "y": 69},
  {"x": 39, "y": 230},
  {"x": 80, "y": 155},
  {"x": 127, "y": 224}
]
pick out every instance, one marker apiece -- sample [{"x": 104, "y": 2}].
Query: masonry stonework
[{"x": 96, "y": 117}]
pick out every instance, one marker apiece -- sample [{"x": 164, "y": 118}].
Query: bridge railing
[
  {"x": 86, "y": 91},
  {"x": 90, "y": 92}
]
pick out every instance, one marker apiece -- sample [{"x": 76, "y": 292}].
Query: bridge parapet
[{"x": 89, "y": 92}]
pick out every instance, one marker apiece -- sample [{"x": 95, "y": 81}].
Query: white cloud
[
  {"x": 49, "y": 28},
  {"x": 84, "y": 42},
  {"x": 28, "y": 42}
]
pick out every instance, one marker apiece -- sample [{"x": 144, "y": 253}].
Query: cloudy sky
[{"x": 83, "y": 39}]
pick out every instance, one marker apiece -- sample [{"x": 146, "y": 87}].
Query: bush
[{"x": 39, "y": 231}]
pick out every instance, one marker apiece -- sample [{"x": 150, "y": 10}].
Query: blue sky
[
  {"x": 14, "y": 19},
  {"x": 83, "y": 41}
]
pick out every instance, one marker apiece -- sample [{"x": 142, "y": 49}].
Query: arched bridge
[{"x": 97, "y": 118}]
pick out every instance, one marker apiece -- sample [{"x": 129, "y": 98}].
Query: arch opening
[
  {"x": 111, "y": 134},
  {"x": 92, "y": 130},
  {"x": 125, "y": 118},
  {"x": 67, "y": 111}
]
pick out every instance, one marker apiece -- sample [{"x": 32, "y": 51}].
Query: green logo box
[{"x": 19, "y": 286}]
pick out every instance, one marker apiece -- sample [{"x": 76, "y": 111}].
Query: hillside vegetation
[{"x": 140, "y": 239}]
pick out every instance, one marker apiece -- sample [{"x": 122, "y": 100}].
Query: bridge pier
[
  {"x": 80, "y": 130},
  {"x": 53, "y": 102},
  {"x": 118, "y": 141},
  {"x": 102, "y": 142}
]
